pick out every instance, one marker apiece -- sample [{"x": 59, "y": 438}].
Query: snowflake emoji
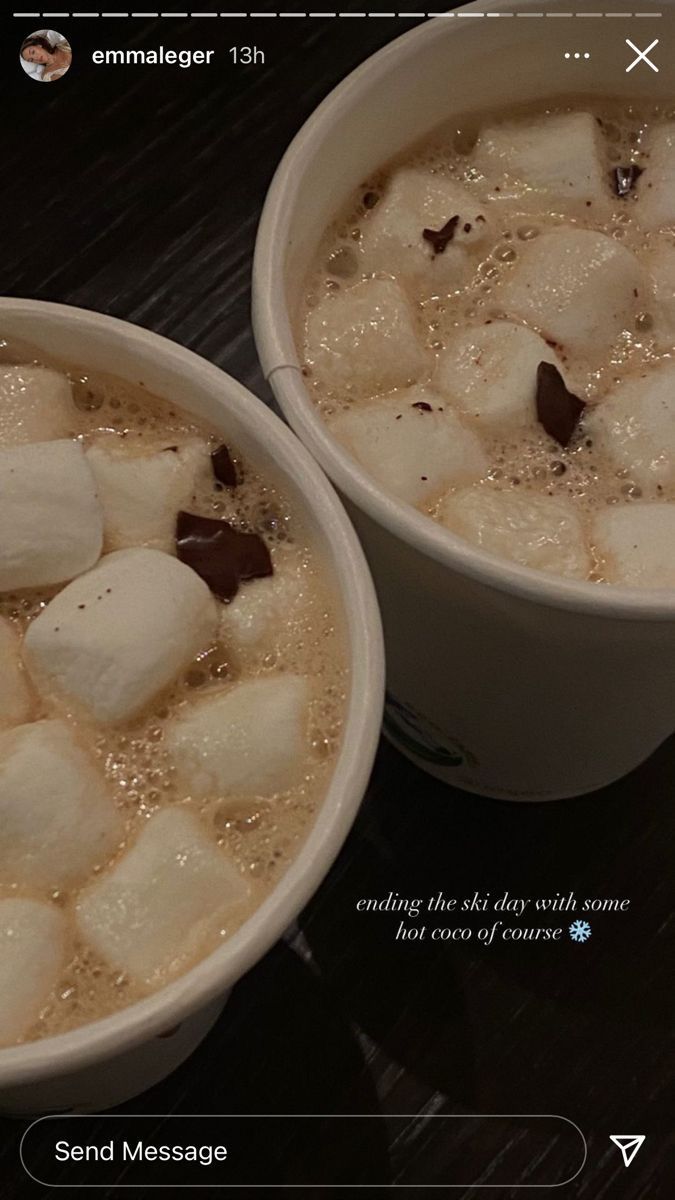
[{"x": 580, "y": 931}]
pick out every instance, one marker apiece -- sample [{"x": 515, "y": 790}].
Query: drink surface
[
  {"x": 258, "y": 834},
  {"x": 536, "y": 235}
]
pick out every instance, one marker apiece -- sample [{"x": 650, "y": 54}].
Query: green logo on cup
[{"x": 421, "y": 737}]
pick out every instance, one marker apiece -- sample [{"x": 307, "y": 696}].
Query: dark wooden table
[{"x": 137, "y": 192}]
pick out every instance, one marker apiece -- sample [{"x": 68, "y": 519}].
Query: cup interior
[
  {"x": 103, "y": 343},
  {"x": 477, "y": 58}
]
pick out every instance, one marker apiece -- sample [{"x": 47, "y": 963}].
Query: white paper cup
[
  {"x": 500, "y": 680},
  {"x": 113, "y": 1059}
]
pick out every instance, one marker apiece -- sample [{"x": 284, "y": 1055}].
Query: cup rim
[
  {"x": 144, "y": 1019},
  {"x": 279, "y": 357}
]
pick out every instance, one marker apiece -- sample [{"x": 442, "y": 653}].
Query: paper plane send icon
[{"x": 629, "y": 1144}]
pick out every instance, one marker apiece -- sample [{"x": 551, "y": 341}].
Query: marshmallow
[
  {"x": 251, "y": 738},
  {"x": 543, "y": 532},
  {"x": 391, "y": 235},
  {"x": 655, "y": 189},
  {"x": 116, "y": 637},
  {"x": 142, "y": 494},
  {"x": 363, "y": 339},
  {"x": 558, "y": 158},
  {"x": 412, "y": 453},
  {"x": 57, "y": 820},
  {"x": 166, "y": 902},
  {"x": 15, "y": 700},
  {"x": 575, "y": 286},
  {"x": 36, "y": 405},
  {"x": 635, "y": 427},
  {"x": 262, "y": 608},
  {"x": 489, "y": 372},
  {"x": 51, "y": 523},
  {"x": 34, "y": 941},
  {"x": 636, "y": 544}
]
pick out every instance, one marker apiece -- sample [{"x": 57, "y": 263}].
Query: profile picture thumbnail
[{"x": 45, "y": 55}]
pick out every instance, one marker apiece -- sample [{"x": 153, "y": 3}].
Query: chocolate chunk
[
  {"x": 558, "y": 409},
  {"x": 439, "y": 238},
  {"x": 223, "y": 467},
  {"x": 222, "y": 556},
  {"x": 625, "y": 178},
  {"x": 423, "y": 406}
]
